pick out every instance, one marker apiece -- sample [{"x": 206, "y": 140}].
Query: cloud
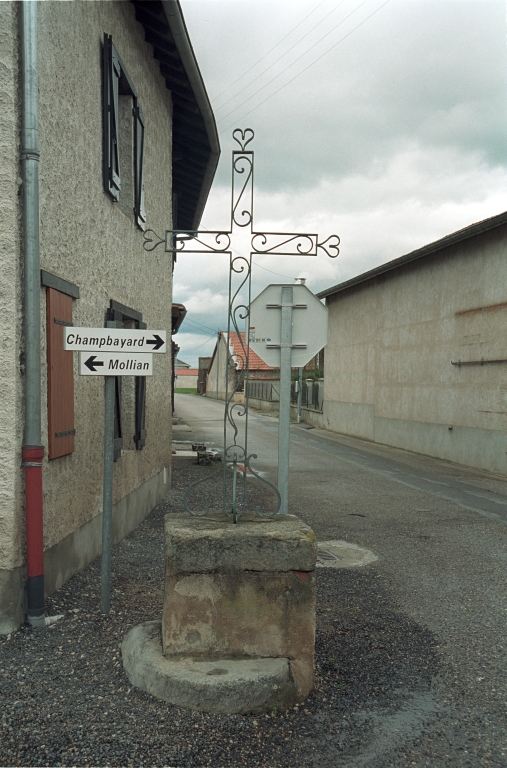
[
  {"x": 192, "y": 346},
  {"x": 409, "y": 199},
  {"x": 395, "y": 138},
  {"x": 204, "y": 301},
  {"x": 431, "y": 70}
]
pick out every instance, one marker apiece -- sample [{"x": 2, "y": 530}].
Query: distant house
[
  {"x": 228, "y": 367},
  {"x": 417, "y": 350},
  {"x": 204, "y": 364},
  {"x": 186, "y": 378}
]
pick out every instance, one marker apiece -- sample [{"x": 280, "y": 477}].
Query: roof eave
[{"x": 181, "y": 37}]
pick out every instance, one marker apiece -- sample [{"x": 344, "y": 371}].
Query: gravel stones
[{"x": 390, "y": 693}]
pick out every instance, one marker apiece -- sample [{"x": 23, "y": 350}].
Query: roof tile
[{"x": 255, "y": 363}]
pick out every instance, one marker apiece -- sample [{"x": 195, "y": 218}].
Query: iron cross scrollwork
[{"x": 236, "y": 464}]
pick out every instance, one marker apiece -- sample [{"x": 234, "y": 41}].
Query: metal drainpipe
[{"x": 33, "y": 450}]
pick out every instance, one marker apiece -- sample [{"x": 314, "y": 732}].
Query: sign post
[
  {"x": 112, "y": 352},
  {"x": 284, "y": 413},
  {"x": 107, "y": 498},
  {"x": 286, "y": 339}
]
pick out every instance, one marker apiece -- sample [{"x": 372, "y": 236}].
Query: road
[{"x": 439, "y": 532}]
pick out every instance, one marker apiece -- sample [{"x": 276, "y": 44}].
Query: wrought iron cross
[{"x": 235, "y": 456}]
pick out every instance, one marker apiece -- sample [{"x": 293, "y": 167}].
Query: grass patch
[{"x": 181, "y": 391}]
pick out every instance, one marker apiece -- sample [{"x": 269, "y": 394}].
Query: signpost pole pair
[
  {"x": 117, "y": 352},
  {"x": 107, "y": 505},
  {"x": 284, "y": 413}
]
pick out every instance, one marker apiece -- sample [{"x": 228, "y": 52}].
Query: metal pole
[
  {"x": 107, "y": 506},
  {"x": 32, "y": 451},
  {"x": 284, "y": 413},
  {"x": 300, "y": 392},
  {"x": 218, "y": 359}
]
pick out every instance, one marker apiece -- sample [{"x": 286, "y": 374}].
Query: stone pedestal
[{"x": 240, "y": 598}]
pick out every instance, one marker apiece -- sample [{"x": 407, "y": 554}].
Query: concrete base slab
[
  {"x": 225, "y": 686},
  {"x": 343, "y": 554}
]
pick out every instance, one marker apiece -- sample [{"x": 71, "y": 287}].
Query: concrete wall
[
  {"x": 89, "y": 240},
  {"x": 218, "y": 369},
  {"x": 182, "y": 381},
  {"x": 388, "y": 369},
  {"x": 264, "y": 405}
]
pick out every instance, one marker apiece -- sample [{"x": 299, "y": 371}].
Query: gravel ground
[{"x": 386, "y": 691}]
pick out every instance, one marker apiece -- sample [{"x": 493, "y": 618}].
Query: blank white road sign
[
  {"x": 115, "y": 364},
  {"x": 309, "y": 325},
  {"x": 114, "y": 340}
]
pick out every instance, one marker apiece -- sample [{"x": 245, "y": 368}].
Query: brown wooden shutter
[{"x": 61, "y": 428}]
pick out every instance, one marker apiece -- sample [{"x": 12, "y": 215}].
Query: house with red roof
[
  {"x": 185, "y": 378},
  {"x": 229, "y": 364}
]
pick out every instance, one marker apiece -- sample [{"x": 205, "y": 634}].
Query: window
[
  {"x": 130, "y": 392},
  {"x": 122, "y": 116},
  {"x": 61, "y": 428}
]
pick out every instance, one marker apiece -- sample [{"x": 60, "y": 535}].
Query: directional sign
[
  {"x": 114, "y": 340},
  {"x": 115, "y": 364},
  {"x": 309, "y": 325}
]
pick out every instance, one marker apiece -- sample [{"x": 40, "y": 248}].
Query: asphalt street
[
  {"x": 410, "y": 652},
  {"x": 439, "y": 532}
]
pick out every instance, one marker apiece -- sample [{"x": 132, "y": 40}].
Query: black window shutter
[
  {"x": 112, "y": 74},
  {"x": 140, "y": 435},
  {"x": 139, "y": 213}
]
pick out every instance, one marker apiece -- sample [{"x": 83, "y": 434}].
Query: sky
[{"x": 382, "y": 122}]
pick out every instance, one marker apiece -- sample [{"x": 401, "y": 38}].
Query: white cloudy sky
[{"x": 383, "y": 122}]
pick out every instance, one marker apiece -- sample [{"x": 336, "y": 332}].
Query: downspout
[{"x": 33, "y": 450}]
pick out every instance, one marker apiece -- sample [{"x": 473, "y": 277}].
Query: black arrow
[
  {"x": 92, "y": 362},
  {"x": 157, "y": 341}
]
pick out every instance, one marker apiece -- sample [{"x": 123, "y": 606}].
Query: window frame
[
  {"x": 120, "y": 314},
  {"x": 116, "y": 83}
]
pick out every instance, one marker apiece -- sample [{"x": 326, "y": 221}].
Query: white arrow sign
[
  {"x": 115, "y": 364},
  {"x": 114, "y": 340}
]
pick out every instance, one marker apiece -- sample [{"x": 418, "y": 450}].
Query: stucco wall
[
  {"x": 11, "y": 422},
  {"x": 86, "y": 239},
  {"x": 388, "y": 369},
  {"x": 183, "y": 381}
]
